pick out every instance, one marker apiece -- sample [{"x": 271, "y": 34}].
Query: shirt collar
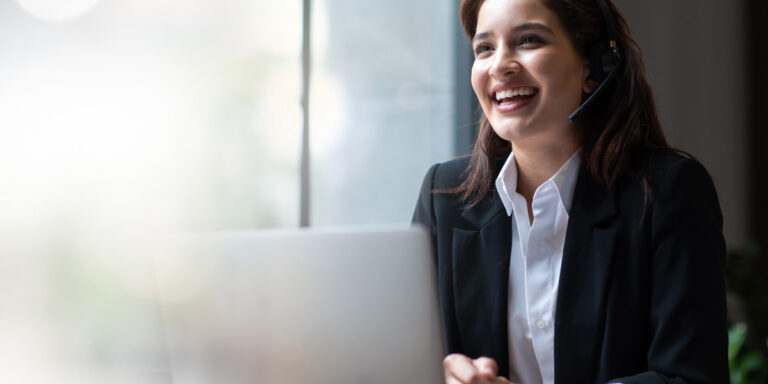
[{"x": 564, "y": 180}]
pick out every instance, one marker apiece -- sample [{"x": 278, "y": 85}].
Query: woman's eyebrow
[
  {"x": 517, "y": 28},
  {"x": 529, "y": 26},
  {"x": 480, "y": 36}
]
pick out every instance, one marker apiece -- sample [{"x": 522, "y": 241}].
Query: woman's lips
[{"x": 513, "y": 104}]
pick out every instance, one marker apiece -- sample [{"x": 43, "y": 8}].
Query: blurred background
[{"x": 122, "y": 120}]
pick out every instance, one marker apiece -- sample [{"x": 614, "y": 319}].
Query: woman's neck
[{"x": 537, "y": 165}]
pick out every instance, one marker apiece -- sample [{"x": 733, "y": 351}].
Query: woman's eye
[
  {"x": 480, "y": 48},
  {"x": 530, "y": 41}
]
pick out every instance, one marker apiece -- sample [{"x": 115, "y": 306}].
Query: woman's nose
[{"x": 504, "y": 64}]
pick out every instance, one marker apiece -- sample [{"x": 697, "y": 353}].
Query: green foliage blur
[
  {"x": 747, "y": 287},
  {"x": 747, "y": 367}
]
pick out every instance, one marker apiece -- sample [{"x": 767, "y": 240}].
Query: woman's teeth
[{"x": 510, "y": 93}]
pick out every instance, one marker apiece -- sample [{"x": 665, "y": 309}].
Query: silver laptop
[{"x": 328, "y": 306}]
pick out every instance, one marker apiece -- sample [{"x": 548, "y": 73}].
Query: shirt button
[{"x": 541, "y": 323}]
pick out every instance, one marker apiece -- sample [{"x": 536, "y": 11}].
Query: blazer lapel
[
  {"x": 480, "y": 280},
  {"x": 584, "y": 279}
]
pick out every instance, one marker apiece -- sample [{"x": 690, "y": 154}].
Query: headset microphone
[{"x": 603, "y": 61}]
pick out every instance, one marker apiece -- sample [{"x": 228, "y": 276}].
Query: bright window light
[{"x": 57, "y": 10}]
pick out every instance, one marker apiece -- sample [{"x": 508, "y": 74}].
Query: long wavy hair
[{"x": 620, "y": 129}]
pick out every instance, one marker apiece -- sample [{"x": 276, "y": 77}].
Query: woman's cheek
[
  {"x": 562, "y": 77},
  {"x": 479, "y": 74},
  {"x": 480, "y": 80}
]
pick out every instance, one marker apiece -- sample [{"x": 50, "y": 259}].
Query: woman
[{"x": 572, "y": 252}]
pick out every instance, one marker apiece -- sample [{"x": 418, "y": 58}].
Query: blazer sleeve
[
  {"x": 688, "y": 330},
  {"x": 424, "y": 213},
  {"x": 427, "y": 213}
]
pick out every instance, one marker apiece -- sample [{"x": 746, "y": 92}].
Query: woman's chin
[{"x": 510, "y": 131}]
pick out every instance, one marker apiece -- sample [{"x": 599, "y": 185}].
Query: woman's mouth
[{"x": 509, "y": 100}]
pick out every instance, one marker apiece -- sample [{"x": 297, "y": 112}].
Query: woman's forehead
[{"x": 494, "y": 13}]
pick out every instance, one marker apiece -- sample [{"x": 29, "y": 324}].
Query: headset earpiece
[
  {"x": 604, "y": 59},
  {"x": 600, "y": 62}
]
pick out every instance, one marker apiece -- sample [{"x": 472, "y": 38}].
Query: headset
[{"x": 603, "y": 61}]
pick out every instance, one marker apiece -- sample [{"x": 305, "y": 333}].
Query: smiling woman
[
  {"x": 572, "y": 252},
  {"x": 516, "y": 36}
]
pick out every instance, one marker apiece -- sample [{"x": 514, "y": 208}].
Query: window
[
  {"x": 125, "y": 119},
  {"x": 380, "y": 106}
]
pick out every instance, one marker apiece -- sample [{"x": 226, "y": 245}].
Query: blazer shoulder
[
  {"x": 681, "y": 185},
  {"x": 440, "y": 177},
  {"x": 661, "y": 165},
  {"x": 665, "y": 175},
  {"x": 451, "y": 173}
]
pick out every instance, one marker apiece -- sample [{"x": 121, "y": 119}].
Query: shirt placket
[{"x": 539, "y": 276}]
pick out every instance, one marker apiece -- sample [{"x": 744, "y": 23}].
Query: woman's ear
[{"x": 587, "y": 84}]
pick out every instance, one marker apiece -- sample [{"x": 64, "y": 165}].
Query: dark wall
[
  {"x": 758, "y": 70},
  {"x": 696, "y": 55}
]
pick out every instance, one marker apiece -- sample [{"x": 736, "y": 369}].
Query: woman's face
[{"x": 527, "y": 75}]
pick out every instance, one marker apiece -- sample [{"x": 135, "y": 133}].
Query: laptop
[{"x": 323, "y": 306}]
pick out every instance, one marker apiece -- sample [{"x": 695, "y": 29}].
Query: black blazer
[{"x": 642, "y": 292}]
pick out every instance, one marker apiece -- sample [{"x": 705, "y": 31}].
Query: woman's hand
[{"x": 460, "y": 369}]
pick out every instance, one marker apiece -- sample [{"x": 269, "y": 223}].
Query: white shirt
[{"x": 534, "y": 268}]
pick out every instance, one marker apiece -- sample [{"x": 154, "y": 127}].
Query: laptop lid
[{"x": 301, "y": 306}]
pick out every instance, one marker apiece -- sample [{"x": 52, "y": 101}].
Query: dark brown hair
[{"x": 620, "y": 129}]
